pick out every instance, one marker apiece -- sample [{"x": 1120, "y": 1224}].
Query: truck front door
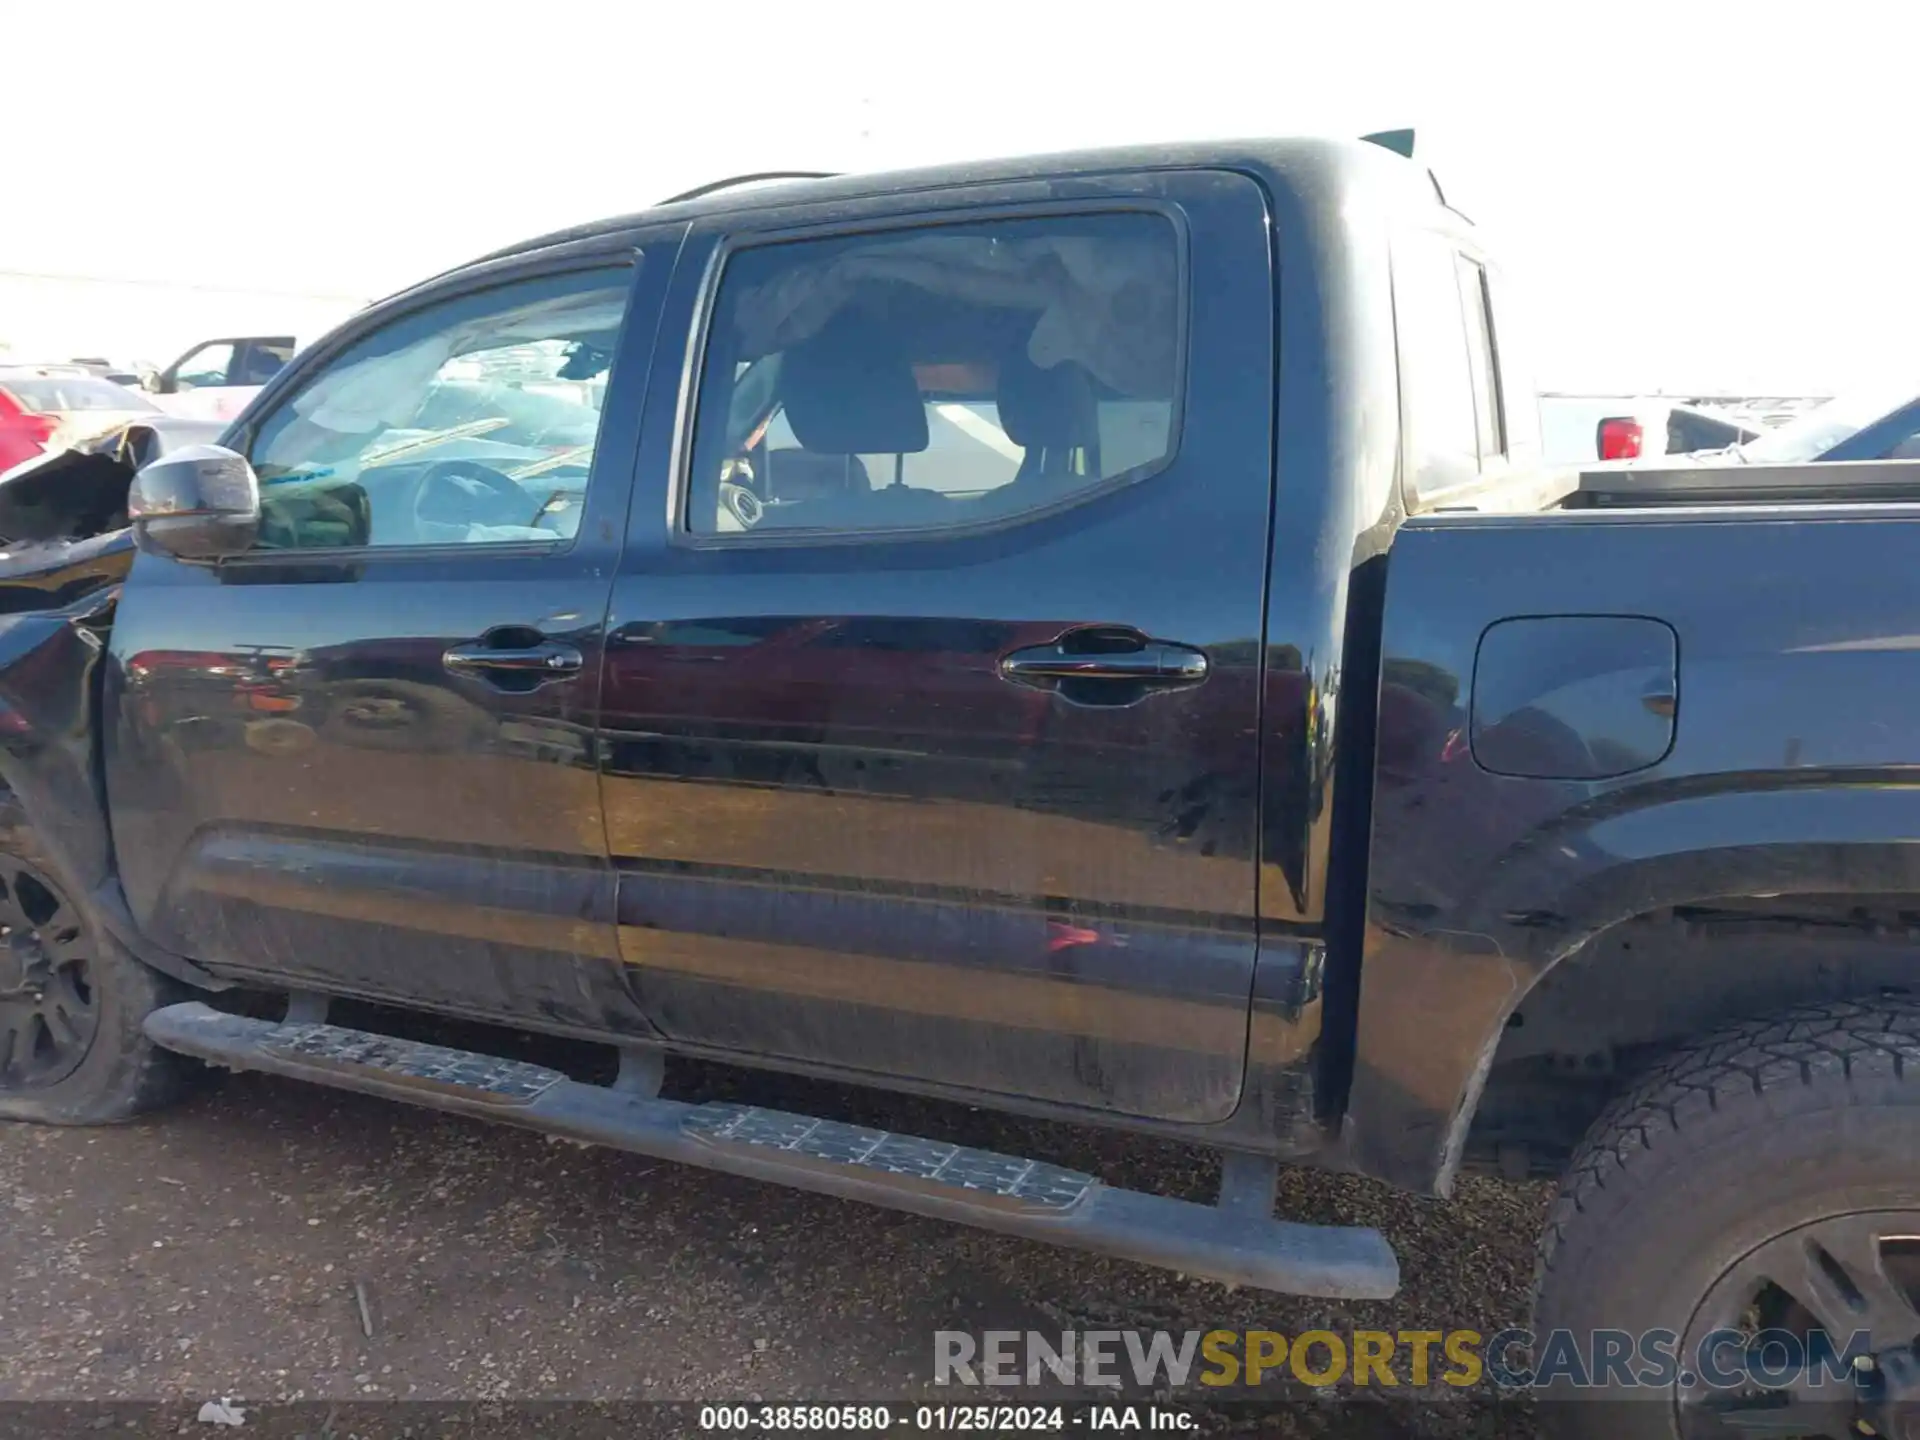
[
  {"x": 931, "y": 699},
  {"x": 360, "y": 757}
]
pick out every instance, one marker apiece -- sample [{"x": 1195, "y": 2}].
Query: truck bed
[{"x": 1589, "y": 717}]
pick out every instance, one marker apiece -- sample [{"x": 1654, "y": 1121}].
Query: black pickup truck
[{"x": 1087, "y": 636}]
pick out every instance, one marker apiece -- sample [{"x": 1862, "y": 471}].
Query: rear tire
[
  {"x": 1754, "y": 1163},
  {"x": 72, "y": 1002}
]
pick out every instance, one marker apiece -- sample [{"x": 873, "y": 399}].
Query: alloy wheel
[
  {"x": 1831, "y": 1311},
  {"x": 49, "y": 1002}
]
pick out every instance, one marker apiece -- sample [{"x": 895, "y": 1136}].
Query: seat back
[{"x": 1052, "y": 414}]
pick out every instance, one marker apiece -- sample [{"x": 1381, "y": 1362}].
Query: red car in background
[{"x": 48, "y": 407}]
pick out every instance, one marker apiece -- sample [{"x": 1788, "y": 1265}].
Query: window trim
[
  {"x": 624, "y": 256},
  {"x": 679, "y": 531},
  {"x": 1474, "y": 291},
  {"x": 1412, "y": 401},
  {"x": 1491, "y": 472}
]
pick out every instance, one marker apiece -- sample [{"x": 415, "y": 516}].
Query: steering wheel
[{"x": 484, "y": 475}]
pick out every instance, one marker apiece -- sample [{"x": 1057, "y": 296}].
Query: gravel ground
[{"x": 229, "y": 1247}]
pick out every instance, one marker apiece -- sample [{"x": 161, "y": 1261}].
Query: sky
[{"x": 1691, "y": 196}]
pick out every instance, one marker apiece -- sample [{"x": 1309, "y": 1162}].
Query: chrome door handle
[
  {"x": 1106, "y": 654},
  {"x": 552, "y": 659}
]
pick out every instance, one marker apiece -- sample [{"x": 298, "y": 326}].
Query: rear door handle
[
  {"x": 1106, "y": 653},
  {"x": 548, "y": 660}
]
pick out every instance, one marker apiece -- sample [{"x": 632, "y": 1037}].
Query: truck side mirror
[{"x": 200, "y": 503}]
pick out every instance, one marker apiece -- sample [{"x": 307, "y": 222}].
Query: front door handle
[
  {"x": 547, "y": 660},
  {"x": 1105, "y": 654}
]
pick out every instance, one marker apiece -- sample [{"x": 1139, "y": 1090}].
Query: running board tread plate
[
  {"x": 486, "y": 1078},
  {"x": 927, "y": 1177}
]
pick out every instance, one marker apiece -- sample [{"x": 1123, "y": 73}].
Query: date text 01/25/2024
[{"x": 976, "y": 1419}]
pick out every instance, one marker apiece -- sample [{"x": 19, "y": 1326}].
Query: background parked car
[
  {"x": 216, "y": 378},
  {"x": 1575, "y": 429},
  {"x": 1877, "y": 424},
  {"x": 120, "y": 372},
  {"x": 47, "y": 407},
  {"x": 1882, "y": 424}
]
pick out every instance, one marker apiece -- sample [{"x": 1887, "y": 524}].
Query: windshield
[
  {"x": 1818, "y": 431},
  {"x": 78, "y": 392}
]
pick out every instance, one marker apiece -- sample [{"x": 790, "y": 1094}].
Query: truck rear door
[{"x": 930, "y": 709}]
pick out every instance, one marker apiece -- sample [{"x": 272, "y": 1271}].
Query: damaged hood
[
  {"x": 81, "y": 492},
  {"x": 77, "y": 427}
]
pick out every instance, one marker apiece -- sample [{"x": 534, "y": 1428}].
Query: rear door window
[{"x": 936, "y": 377}]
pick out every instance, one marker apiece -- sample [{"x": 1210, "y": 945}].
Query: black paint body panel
[{"x": 1794, "y": 768}]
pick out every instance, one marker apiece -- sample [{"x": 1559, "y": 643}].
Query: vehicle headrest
[
  {"x": 849, "y": 390},
  {"x": 1046, "y": 408}
]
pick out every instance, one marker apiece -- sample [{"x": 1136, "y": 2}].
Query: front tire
[
  {"x": 1766, "y": 1179},
  {"x": 72, "y": 1002}
]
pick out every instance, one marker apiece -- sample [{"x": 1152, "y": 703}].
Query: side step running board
[{"x": 927, "y": 1177}]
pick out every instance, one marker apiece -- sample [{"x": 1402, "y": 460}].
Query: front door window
[{"x": 470, "y": 422}]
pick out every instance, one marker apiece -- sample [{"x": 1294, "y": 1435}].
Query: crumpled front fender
[
  {"x": 49, "y": 678},
  {"x": 56, "y": 607}
]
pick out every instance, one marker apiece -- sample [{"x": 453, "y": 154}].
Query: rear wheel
[
  {"x": 72, "y": 1000},
  {"x": 1757, "y": 1192}
]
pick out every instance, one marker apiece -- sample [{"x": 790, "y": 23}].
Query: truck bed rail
[{"x": 1820, "y": 483}]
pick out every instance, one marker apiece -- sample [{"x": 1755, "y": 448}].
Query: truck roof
[{"x": 1337, "y": 165}]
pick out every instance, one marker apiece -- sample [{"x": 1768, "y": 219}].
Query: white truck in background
[{"x": 215, "y": 379}]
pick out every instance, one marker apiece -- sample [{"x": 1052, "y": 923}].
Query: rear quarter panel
[{"x": 1794, "y": 768}]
